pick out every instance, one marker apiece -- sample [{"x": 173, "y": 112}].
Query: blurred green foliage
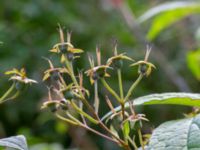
[
  {"x": 193, "y": 59},
  {"x": 28, "y": 29}
]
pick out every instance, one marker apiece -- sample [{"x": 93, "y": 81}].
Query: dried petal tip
[
  {"x": 53, "y": 72},
  {"x": 145, "y": 67},
  {"x": 20, "y": 76},
  {"x": 66, "y": 49},
  {"x": 97, "y": 72},
  {"x": 116, "y": 60}
]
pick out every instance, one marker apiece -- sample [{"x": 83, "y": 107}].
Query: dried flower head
[
  {"x": 66, "y": 49},
  {"x": 20, "y": 76},
  {"x": 97, "y": 72},
  {"x": 53, "y": 72},
  {"x": 145, "y": 67},
  {"x": 116, "y": 60}
]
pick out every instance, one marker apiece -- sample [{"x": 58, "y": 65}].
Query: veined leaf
[
  {"x": 181, "y": 134},
  {"x": 166, "y": 14},
  {"x": 187, "y": 99},
  {"x": 15, "y": 142}
]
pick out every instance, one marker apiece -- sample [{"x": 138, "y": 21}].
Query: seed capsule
[
  {"x": 63, "y": 48},
  {"x": 95, "y": 76},
  {"x": 68, "y": 94},
  {"x": 143, "y": 69}
]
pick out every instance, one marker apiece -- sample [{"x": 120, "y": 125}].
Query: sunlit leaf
[
  {"x": 187, "y": 99},
  {"x": 166, "y": 14},
  {"x": 126, "y": 129}
]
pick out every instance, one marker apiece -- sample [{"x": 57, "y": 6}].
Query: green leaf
[
  {"x": 181, "y": 134},
  {"x": 15, "y": 142},
  {"x": 166, "y": 14},
  {"x": 193, "y": 62},
  {"x": 126, "y": 129},
  {"x": 187, "y": 99}
]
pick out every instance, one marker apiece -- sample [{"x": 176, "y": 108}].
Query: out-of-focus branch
[{"x": 137, "y": 32}]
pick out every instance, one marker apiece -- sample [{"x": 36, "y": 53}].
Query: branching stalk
[
  {"x": 133, "y": 87},
  {"x": 83, "y": 113},
  {"x": 85, "y": 126},
  {"x": 111, "y": 90},
  {"x": 66, "y": 120},
  {"x": 8, "y": 92},
  {"x": 12, "y": 97},
  {"x": 132, "y": 143}
]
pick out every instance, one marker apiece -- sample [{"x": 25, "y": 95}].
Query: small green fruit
[{"x": 68, "y": 95}]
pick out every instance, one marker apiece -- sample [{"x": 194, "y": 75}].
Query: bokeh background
[{"x": 28, "y": 30}]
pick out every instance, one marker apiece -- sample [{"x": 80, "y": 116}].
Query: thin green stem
[
  {"x": 8, "y": 92},
  {"x": 71, "y": 71},
  {"x": 73, "y": 118},
  {"x": 133, "y": 87},
  {"x": 119, "y": 74},
  {"x": 111, "y": 90},
  {"x": 100, "y": 134},
  {"x": 111, "y": 133},
  {"x": 10, "y": 98},
  {"x": 140, "y": 139},
  {"x": 74, "y": 122},
  {"x": 96, "y": 97},
  {"x": 132, "y": 143},
  {"x": 66, "y": 120},
  {"x": 120, "y": 83},
  {"x": 84, "y": 113}
]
